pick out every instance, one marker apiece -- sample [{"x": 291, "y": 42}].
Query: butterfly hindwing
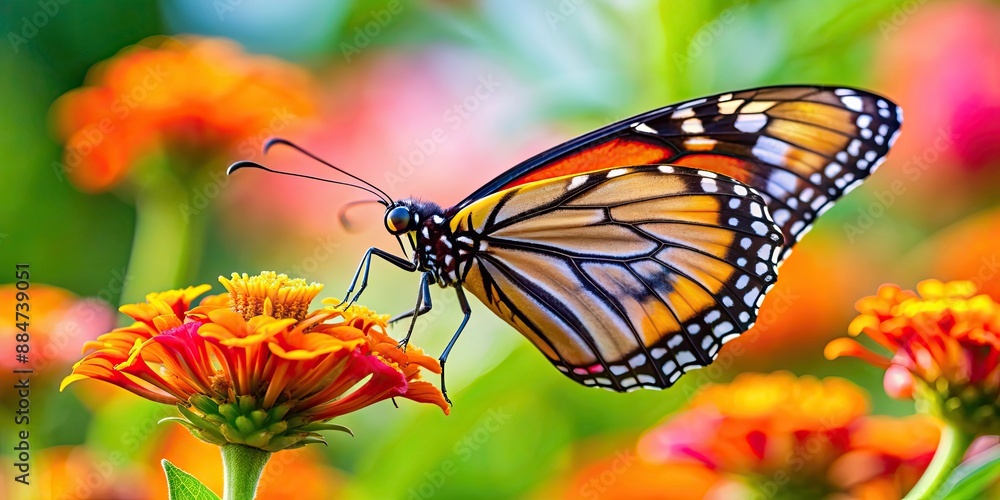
[
  {"x": 801, "y": 147},
  {"x": 627, "y": 277}
]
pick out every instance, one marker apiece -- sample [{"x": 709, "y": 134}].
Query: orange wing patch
[
  {"x": 614, "y": 153},
  {"x": 726, "y": 165}
]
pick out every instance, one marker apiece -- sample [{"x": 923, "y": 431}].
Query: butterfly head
[{"x": 399, "y": 219}]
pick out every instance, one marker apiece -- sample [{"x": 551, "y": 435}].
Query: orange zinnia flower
[
  {"x": 189, "y": 96},
  {"x": 777, "y": 435},
  {"x": 256, "y": 367},
  {"x": 945, "y": 344}
]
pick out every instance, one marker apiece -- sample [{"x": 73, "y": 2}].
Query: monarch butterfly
[{"x": 631, "y": 254}]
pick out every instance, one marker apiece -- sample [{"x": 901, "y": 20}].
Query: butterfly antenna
[
  {"x": 342, "y": 213},
  {"x": 251, "y": 164},
  {"x": 278, "y": 140}
]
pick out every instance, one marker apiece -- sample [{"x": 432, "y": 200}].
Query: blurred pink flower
[
  {"x": 942, "y": 64},
  {"x": 60, "y": 323},
  {"x": 435, "y": 124}
]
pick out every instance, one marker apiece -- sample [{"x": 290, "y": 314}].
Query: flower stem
[
  {"x": 952, "y": 447},
  {"x": 167, "y": 237},
  {"x": 242, "y": 466}
]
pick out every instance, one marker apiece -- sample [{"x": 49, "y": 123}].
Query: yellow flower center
[{"x": 270, "y": 294}]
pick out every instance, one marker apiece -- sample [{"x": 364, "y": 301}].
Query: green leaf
[
  {"x": 972, "y": 477},
  {"x": 184, "y": 486}
]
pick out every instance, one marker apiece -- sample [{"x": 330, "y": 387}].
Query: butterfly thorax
[{"x": 436, "y": 249}]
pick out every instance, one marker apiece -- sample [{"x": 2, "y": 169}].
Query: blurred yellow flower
[
  {"x": 945, "y": 344},
  {"x": 254, "y": 367},
  {"x": 189, "y": 96}
]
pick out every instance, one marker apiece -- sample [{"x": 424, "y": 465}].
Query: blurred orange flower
[
  {"x": 78, "y": 472},
  {"x": 190, "y": 96},
  {"x": 979, "y": 261},
  {"x": 778, "y": 435},
  {"x": 945, "y": 344},
  {"x": 256, "y": 367}
]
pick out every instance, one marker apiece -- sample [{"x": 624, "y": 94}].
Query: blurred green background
[{"x": 556, "y": 69}]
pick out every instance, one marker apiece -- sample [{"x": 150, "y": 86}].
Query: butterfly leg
[
  {"x": 366, "y": 265},
  {"x": 467, "y": 311},
  {"x": 423, "y": 306}
]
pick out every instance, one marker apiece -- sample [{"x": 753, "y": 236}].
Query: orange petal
[{"x": 849, "y": 347}]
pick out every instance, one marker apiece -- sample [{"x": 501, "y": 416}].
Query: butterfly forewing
[
  {"x": 801, "y": 147},
  {"x": 627, "y": 277}
]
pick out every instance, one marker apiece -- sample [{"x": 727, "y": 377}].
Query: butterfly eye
[{"x": 397, "y": 220}]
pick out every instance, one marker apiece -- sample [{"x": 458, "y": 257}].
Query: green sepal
[
  {"x": 229, "y": 411},
  {"x": 320, "y": 426}
]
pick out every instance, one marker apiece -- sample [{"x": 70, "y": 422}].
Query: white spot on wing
[
  {"x": 685, "y": 357},
  {"x": 728, "y": 108},
  {"x": 642, "y": 127},
  {"x": 781, "y": 216},
  {"x": 853, "y": 102},
  {"x": 637, "y": 360},
  {"x": 669, "y": 366},
  {"x": 692, "y": 126},
  {"x": 682, "y": 113},
  {"x": 574, "y": 183},
  {"x": 750, "y": 123},
  {"x": 832, "y": 169},
  {"x": 854, "y": 148},
  {"x": 770, "y": 150}
]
